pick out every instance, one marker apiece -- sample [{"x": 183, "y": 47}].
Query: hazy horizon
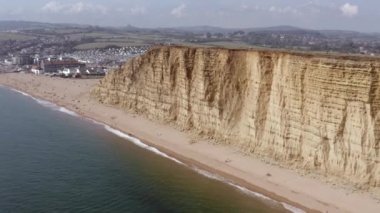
[
  {"x": 184, "y": 26},
  {"x": 352, "y": 15}
]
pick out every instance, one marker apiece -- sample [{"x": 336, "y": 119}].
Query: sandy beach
[{"x": 283, "y": 185}]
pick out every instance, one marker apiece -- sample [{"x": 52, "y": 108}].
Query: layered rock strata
[{"x": 315, "y": 112}]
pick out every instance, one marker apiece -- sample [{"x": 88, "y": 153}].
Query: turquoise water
[{"x": 54, "y": 162}]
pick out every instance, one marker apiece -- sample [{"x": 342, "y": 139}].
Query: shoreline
[
  {"x": 286, "y": 189},
  {"x": 202, "y": 169}
]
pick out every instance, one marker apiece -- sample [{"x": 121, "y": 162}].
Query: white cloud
[
  {"x": 79, "y": 7},
  {"x": 179, "y": 11},
  {"x": 349, "y": 10},
  {"x": 53, "y": 6},
  {"x": 17, "y": 11},
  {"x": 273, "y": 9},
  {"x": 283, "y": 10},
  {"x": 87, "y": 7},
  {"x": 244, "y": 7},
  {"x": 138, "y": 10}
]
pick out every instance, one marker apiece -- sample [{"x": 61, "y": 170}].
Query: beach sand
[{"x": 284, "y": 185}]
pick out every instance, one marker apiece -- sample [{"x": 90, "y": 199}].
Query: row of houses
[
  {"x": 22, "y": 59},
  {"x": 46, "y": 65},
  {"x": 52, "y": 65},
  {"x": 62, "y": 66},
  {"x": 57, "y": 65},
  {"x": 69, "y": 69}
]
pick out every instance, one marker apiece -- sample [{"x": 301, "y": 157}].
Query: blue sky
[{"x": 360, "y": 15}]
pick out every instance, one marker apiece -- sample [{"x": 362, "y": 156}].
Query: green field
[
  {"x": 100, "y": 45},
  {"x": 14, "y": 36},
  {"x": 102, "y": 40}
]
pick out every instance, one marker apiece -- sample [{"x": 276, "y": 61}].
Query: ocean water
[{"x": 53, "y": 161}]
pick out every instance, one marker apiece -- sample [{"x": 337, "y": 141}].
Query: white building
[
  {"x": 68, "y": 72},
  {"x": 37, "y": 70}
]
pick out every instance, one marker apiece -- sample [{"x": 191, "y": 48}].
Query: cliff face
[{"x": 312, "y": 112}]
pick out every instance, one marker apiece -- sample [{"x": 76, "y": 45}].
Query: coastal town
[
  {"x": 78, "y": 64},
  {"x": 190, "y": 106},
  {"x": 28, "y": 46}
]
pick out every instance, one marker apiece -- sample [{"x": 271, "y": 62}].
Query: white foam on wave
[
  {"x": 22, "y": 93},
  {"x": 292, "y": 208},
  {"x": 67, "y": 111},
  {"x": 224, "y": 180},
  {"x": 45, "y": 103},
  {"x": 48, "y": 104},
  {"x": 251, "y": 193},
  {"x": 199, "y": 171},
  {"x": 246, "y": 191},
  {"x": 139, "y": 143},
  {"x": 208, "y": 174}
]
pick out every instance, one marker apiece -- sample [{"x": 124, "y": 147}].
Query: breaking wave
[
  {"x": 246, "y": 191},
  {"x": 140, "y": 143},
  {"x": 48, "y": 104}
]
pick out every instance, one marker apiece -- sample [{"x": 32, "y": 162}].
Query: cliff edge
[{"x": 312, "y": 112}]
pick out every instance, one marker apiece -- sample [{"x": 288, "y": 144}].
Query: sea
[{"x": 52, "y": 160}]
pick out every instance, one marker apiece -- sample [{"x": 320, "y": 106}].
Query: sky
[{"x": 358, "y": 15}]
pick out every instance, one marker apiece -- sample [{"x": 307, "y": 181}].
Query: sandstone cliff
[{"x": 310, "y": 111}]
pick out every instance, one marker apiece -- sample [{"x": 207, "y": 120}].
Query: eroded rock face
[{"x": 309, "y": 111}]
